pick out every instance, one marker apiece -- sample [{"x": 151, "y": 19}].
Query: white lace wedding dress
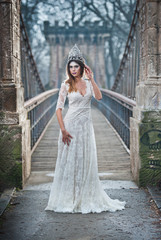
[{"x": 76, "y": 186}]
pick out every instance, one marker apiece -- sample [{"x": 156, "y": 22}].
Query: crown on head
[{"x": 75, "y": 54}]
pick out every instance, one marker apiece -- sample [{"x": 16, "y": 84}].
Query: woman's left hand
[{"x": 88, "y": 72}]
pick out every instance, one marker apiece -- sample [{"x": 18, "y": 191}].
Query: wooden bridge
[
  {"x": 113, "y": 158},
  {"x": 127, "y": 120},
  {"x": 127, "y": 125}
]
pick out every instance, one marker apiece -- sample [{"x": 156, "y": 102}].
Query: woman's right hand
[{"x": 66, "y": 138}]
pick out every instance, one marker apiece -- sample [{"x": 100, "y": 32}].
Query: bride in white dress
[{"x": 76, "y": 186}]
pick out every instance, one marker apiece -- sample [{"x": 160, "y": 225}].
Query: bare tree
[
  {"x": 33, "y": 13},
  {"x": 115, "y": 14}
]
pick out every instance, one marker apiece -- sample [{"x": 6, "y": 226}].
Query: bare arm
[
  {"x": 66, "y": 137},
  {"x": 97, "y": 92}
]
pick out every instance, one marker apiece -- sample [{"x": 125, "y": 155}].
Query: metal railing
[
  {"x": 128, "y": 73},
  {"x": 29, "y": 73},
  {"x": 40, "y": 110},
  {"x": 117, "y": 109}
]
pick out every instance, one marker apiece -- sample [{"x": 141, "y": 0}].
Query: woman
[{"x": 76, "y": 186}]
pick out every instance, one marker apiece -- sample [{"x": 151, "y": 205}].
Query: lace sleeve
[
  {"x": 91, "y": 87},
  {"x": 62, "y": 96}
]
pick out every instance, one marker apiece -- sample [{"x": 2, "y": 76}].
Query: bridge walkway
[{"x": 113, "y": 159}]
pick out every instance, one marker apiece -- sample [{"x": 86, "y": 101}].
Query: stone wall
[
  {"x": 12, "y": 113},
  {"x": 145, "y": 140}
]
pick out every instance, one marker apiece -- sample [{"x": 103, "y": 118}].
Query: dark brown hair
[{"x": 71, "y": 79}]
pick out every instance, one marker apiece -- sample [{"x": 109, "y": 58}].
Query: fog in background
[{"x": 115, "y": 14}]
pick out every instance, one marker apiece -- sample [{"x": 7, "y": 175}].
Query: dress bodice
[
  {"x": 79, "y": 110},
  {"x": 75, "y": 99}
]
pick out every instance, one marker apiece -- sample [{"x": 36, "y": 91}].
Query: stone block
[
  {"x": 149, "y": 42},
  {"x": 17, "y": 71},
  {"x": 142, "y": 25},
  {"x": 142, "y": 16},
  {"x": 143, "y": 69},
  {"x": 134, "y": 149},
  {"x": 143, "y": 45},
  {"x": 16, "y": 44},
  {"x": 6, "y": 70},
  {"x": 148, "y": 100},
  {"x": 151, "y": 116},
  {"x": 5, "y": 16},
  {"x": 140, "y": 95},
  {"x": 26, "y": 150},
  {"x": 150, "y": 153},
  {"x": 6, "y": 43},
  {"x": 10, "y": 156},
  {"x": 152, "y": 98},
  {"x": 16, "y": 17},
  {"x": 9, "y": 100},
  {"x": 152, "y": 62},
  {"x": 152, "y": 16},
  {"x": 20, "y": 100},
  {"x": 152, "y": 41},
  {"x": 9, "y": 118}
]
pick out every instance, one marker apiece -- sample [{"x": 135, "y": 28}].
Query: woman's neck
[{"x": 77, "y": 79}]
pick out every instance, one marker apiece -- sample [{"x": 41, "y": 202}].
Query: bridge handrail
[
  {"x": 40, "y": 110},
  {"x": 120, "y": 97},
  {"x": 126, "y": 54},
  {"x": 28, "y": 80},
  {"x": 117, "y": 109},
  {"x": 35, "y": 101}
]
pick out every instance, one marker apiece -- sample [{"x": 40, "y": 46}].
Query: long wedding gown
[{"x": 76, "y": 186}]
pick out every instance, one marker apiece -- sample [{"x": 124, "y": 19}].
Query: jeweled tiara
[{"x": 75, "y": 54}]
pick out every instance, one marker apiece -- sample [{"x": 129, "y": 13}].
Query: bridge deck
[{"x": 113, "y": 160}]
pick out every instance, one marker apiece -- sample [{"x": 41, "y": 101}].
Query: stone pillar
[
  {"x": 11, "y": 96},
  {"x": 145, "y": 140}
]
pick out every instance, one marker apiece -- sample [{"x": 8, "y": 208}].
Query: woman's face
[{"x": 75, "y": 69}]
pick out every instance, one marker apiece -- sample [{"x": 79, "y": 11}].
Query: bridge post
[
  {"x": 12, "y": 114},
  {"x": 145, "y": 140}
]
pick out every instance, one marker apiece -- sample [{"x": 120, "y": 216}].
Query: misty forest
[{"x": 116, "y": 15}]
